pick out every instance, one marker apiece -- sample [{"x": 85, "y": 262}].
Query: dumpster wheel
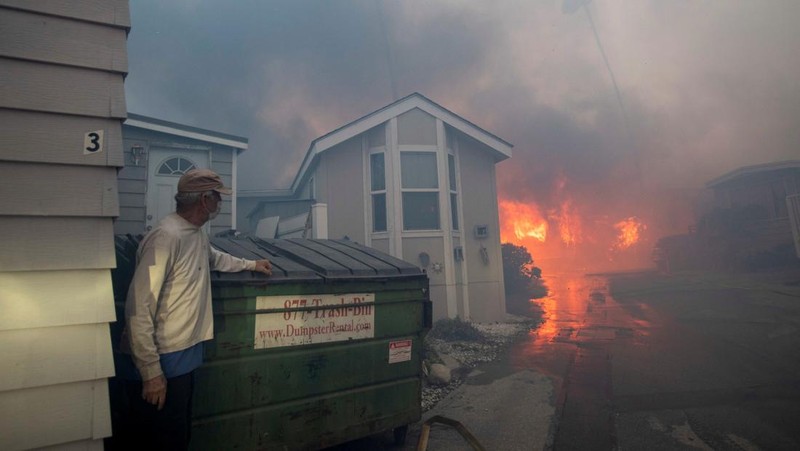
[{"x": 422, "y": 445}]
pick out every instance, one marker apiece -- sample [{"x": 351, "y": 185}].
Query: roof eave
[
  {"x": 135, "y": 120},
  {"x": 415, "y": 100},
  {"x": 754, "y": 169}
]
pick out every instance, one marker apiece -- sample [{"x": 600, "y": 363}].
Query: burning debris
[
  {"x": 569, "y": 224},
  {"x": 525, "y": 222},
  {"x": 571, "y": 232},
  {"x": 630, "y": 230}
]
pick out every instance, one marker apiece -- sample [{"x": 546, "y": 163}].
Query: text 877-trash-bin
[{"x": 328, "y": 350}]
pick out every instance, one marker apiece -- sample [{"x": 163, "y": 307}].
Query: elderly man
[{"x": 168, "y": 313}]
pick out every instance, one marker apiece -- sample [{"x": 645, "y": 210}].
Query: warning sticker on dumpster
[
  {"x": 399, "y": 351},
  {"x": 311, "y": 319}
]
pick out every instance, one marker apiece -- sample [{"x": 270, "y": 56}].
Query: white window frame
[
  {"x": 449, "y": 241},
  {"x": 371, "y": 221},
  {"x": 434, "y": 150},
  {"x": 178, "y": 172},
  {"x": 453, "y": 191}
]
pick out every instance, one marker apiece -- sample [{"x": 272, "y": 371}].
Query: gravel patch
[{"x": 496, "y": 337}]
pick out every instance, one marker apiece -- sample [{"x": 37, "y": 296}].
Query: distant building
[
  {"x": 747, "y": 226},
  {"x": 765, "y": 186},
  {"x": 759, "y": 194},
  {"x": 62, "y": 103},
  {"x": 411, "y": 179},
  {"x": 156, "y": 154}
]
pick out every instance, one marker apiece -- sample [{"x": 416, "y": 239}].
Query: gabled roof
[
  {"x": 752, "y": 170},
  {"x": 172, "y": 128},
  {"x": 501, "y": 148}
]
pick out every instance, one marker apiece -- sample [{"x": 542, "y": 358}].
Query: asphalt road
[
  {"x": 671, "y": 363},
  {"x": 666, "y": 363}
]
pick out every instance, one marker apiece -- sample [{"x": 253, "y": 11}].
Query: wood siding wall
[{"x": 62, "y": 68}]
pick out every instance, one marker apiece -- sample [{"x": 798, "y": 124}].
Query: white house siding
[
  {"x": 132, "y": 182},
  {"x": 320, "y": 177},
  {"x": 381, "y": 244},
  {"x": 486, "y": 294},
  {"x": 461, "y": 289},
  {"x": 436, "y": 269},
  {"x": 416, "y": 127},
  {"x": 339, "y": 182},
  {"x": 60, "y": 89},
  {"x": 62, "y": 66},
  {"x": 22, "y": 138}
]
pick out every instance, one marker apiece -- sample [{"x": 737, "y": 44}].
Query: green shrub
[{"x": 522, "y": 279}]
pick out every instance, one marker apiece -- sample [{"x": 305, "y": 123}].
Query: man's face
[{"x": 213, "y": 204}]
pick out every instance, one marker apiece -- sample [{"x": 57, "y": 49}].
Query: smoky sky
[{"x": 704, "y": 86}]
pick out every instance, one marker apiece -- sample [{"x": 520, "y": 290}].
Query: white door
[{"x": 165, "y": 167}]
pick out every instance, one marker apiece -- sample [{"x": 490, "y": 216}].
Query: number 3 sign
[{"x": 93, "y": 142}]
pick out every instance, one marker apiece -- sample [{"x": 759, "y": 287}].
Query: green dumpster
[{"x": 327, "y": 350}]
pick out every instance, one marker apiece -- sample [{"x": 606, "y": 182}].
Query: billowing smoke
[{"x": 681, "y": 92}]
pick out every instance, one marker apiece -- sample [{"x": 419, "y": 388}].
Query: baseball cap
[{"x": 199, "y": 180}]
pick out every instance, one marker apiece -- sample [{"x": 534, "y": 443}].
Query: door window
[{"x": 175, "y": 166}]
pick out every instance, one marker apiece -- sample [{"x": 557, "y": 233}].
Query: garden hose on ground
[{"x": 422, "y": 445}]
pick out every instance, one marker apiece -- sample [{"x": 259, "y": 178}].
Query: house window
[
  {"x": 379, "y": 212},
  {"x": 420, "y": 187},
  {"x": 378, "y": 191},
  {"x": 420, "y": 211},
  {"x": 451, "y": 166},
  {"x": 377, "y": 171},
  {"x": 175, "y": 166}
]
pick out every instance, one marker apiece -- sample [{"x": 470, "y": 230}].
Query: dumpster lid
[{"x": 309, "y": 260}]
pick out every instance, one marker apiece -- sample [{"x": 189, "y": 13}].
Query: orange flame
[
  {"x": 569, "y": 224},
  {"x": 526, "y": 229},
  {"x": 629, "y": 231},
  {"x": 522, "y": 221}
]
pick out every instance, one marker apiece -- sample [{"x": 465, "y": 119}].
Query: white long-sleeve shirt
[{"x": 168, "y": 307}]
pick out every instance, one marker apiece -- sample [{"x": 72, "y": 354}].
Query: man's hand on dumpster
[
  {"x": 154, "y": 391},
  {"x": 264, "y": 266}
]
